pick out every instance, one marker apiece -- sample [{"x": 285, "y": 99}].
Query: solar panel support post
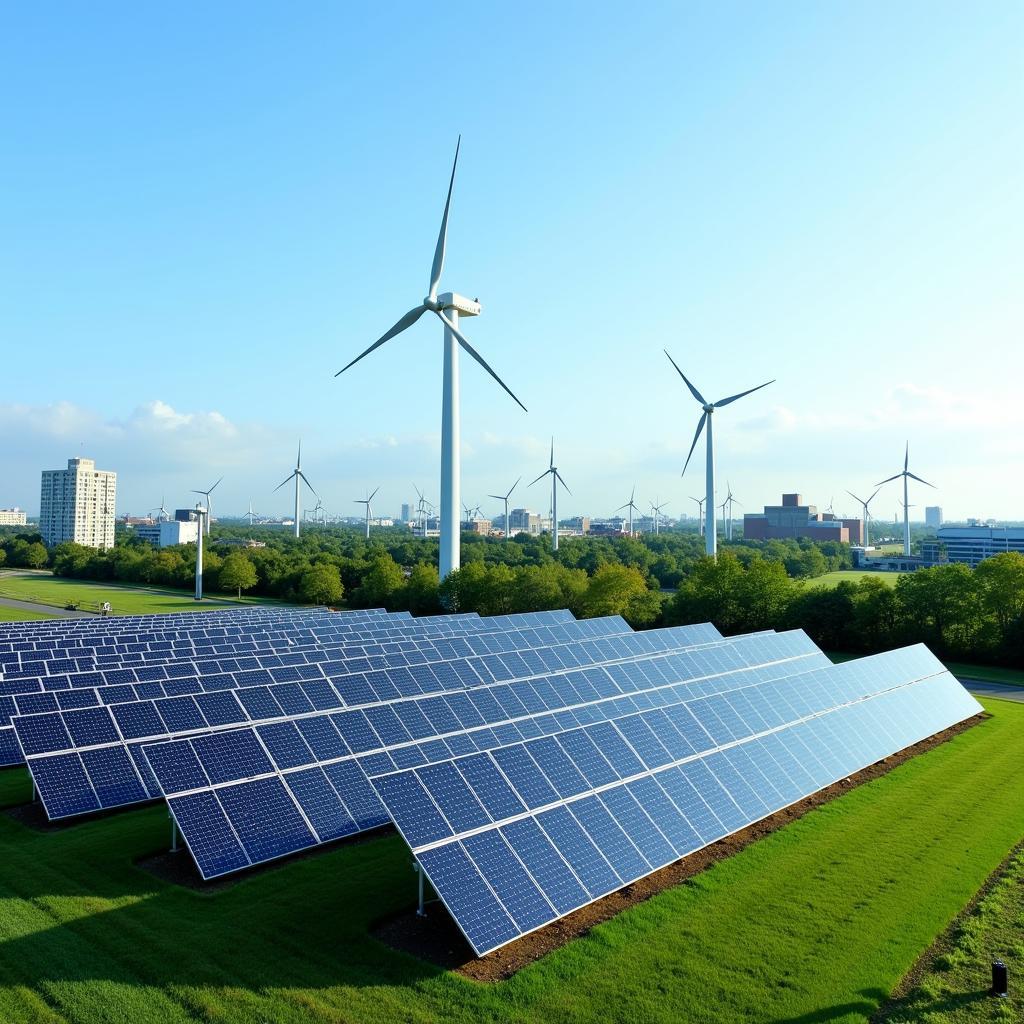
[
  {"x": 420, "y": 912},
  {"x": 174, "y": 834}
]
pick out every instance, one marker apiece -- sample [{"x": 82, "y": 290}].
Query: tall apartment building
[
  {"x": 932, "y": 516},
  {"x": 12, "y": 517},
  {"x": 77, "y": 504}
]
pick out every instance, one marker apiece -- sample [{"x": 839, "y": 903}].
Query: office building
[
  {"x": 167, "y": 533},
  {"x": 932, "y": 517},
  {"x": 12, "y": 517},
  {"x": 77, "y": 504},
  {"x": 795, "y": 519},
  {"x": 406, "y": 512},
  {"x": 972, "y": 544}
]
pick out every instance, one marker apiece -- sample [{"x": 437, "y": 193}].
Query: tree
[
  {"x": 237, "y": 573},
  {"x": 766, "y": 594},
  {"x": 420, "y": 595},
  {"x": 36, "y": 556},
  {"x": 1000, "y": 582},
  {"x": 611, "y": 589},
  {"x": 711, "y": 593},
  {"x": 321, "y": 584},
  {"x": 380, "y": 583}
]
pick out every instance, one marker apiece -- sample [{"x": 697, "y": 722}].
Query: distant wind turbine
[
  {"x": 656, "y": 509},
  {"x": 631, "y": 504},
  {"x": 250, "y": 515},
  {"x": 710, "y": 529},
  {"x": 556, "y": 479},
  {"x": 504, "y": 498},
  {"x": 366, "y": 501},
  {"x": 867, "y": 515},
  {"x": 448, "y": 307},
  {"x": 209, "y": 503},
  {"x": 700, "y": 514},
  {"x": 907, "y": 475},
  {"x": 300, "y": 478},
  {"x": 162, "y": 514},
  {"x": 730, "y": 500}
]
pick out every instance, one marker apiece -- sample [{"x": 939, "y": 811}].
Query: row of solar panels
[
  {"x": 356, "y": 672},
  {"x": 527, "y": 782}
]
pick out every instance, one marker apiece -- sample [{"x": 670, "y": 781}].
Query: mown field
[
  {"x": 19, "y": 614},
  {"x": 125, "y": 600},
  {"x": 816, "y": 922},
  {"x": 831, "y": 579}
]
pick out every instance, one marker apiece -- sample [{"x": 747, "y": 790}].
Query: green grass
[
  {"x": 831, "y": 579},
  {"x": 125, "y": 599},
  {"x": 19, "y": 615},
  {"x": 954, "y": 988},
  {"x": 814, "y": 923}
]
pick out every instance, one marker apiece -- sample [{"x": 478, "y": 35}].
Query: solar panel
[
  {"x": 432, "y": 729},
  {"x": 517, "y": 837},
  {"x": 49, "y": 737}
]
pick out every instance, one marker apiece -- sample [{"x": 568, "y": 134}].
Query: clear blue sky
[{"x": 206, "y": 210}]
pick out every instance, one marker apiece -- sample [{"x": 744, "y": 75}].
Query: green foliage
[
  {"x": 237, "y": 573},
  {"x": 321, "y": 584}
]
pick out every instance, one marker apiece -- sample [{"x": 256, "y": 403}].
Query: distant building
[
  {"x": 12, "y": 517},
  {"x": 406, "y": 512},
  {"x": 579, "y": 525},
  {"x": 168, "y": 533},
  {"x": 522, "y": 520},
  {"x": 972, "y": 544},
  {"x": 932, "y": 516},
  {"x": 477, "y": 525},
  {"x": 239, "y": 542},
  {"x": 77, "y": 504},
  {"x": 793, "y": 519}
]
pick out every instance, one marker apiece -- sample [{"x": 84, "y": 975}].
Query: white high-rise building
[
  {"x": 77, "y": 504},
  {"x": 12, "y": 517},
  {"x": 933, "y": 516}
]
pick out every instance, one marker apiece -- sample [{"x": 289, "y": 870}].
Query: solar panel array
[{"x": 533, "y": 763}]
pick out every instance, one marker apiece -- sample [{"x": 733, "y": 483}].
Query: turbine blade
[
  {"x": 511, "y": 489},
  {"x": 307, "y": 483},
  {"x": 871, "y": 499},
  {"x": 855, "y": 498},
  {"x": 541, "y": 477},
  {"x": 919, "y": 480},
  {"x": 476, "y": 355},
  {"x": 621, "y": 507},
  {"x": 561, "y": 481},
  {"x": 742, "y": 394},
  {"x": 890, "y": 479},
  {"x": 407, "y": 321},
  {"x": 696, "y": 437},
  {"x": 442, "y": 237},
  {"x": 285, "y": 480},
  {"x": 215, "y": 486},
  {"x": 193, "y": 491},
  {"x": 906, "y": 456},
  {"x": 375, "y": 490},
  {"x": 693, "y": 391},
  {"x": 497, "y": 497}
]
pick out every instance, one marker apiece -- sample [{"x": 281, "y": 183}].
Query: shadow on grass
[{"x": 872, "y": 999}]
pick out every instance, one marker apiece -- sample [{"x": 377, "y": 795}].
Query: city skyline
[{"x": 600, "y": 218}]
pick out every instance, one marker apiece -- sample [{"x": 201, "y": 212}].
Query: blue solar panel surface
[{"x": 520, "y": 836}]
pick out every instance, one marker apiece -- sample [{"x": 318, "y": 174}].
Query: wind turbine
[
  {"x": 556, "y": 479},
  {"x": 300, "y": 478},
  {"x": 700, "y": 514},
  {"x": 710, "y": 529},
  {"x": 366, "y": 501},
  {"x": 656, "y": 509},
  {"x": 631, "y": 504},
  {"x": 867, "y": 515},
  {"x": 209, "y": 503},
  {"x": 448, "y": 307},
  {"x": 162, "y": 514},
  {"x": 907, "y": 475},
  {"x": 730, "y": 500},
  {"x": 250, "y": 515},
  {"x": 504, "y": 498}
]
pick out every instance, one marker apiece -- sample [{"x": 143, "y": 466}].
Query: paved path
[
  {"x": 46, "y": 609},
  {"x": 982, "y": 688}
]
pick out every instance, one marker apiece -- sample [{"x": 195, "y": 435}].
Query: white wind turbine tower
[
  {"x": 300, "y": 478},
  {"x": 250, "y": 515},
  {"x": 448, "y": 307},
  {"x": 907, "y": 475},
  {"x": 656, "y": 509},
  {"x": 504, "y": 498},
  {"x": 209, "y": 503},
  {"x": 631, "y": 504},
  {"x": 556, "y": 479},
  {"x": 710, "y": 529},
  {"x": 366, "y": 501},
  {"x": 700, "y": 514},
  {"x": 867, "y": 515}
]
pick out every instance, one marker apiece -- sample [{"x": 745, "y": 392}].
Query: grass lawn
[
  {"x": 125, "y": 599},
  {"x": 830, "y": 579},
  {"x": 954, "y": 989},
  {"x": 19, "y": 615},
  {"x": 816, "y": 922}
]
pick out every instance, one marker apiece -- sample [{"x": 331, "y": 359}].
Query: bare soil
[{"x": 436, "y": 939}]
